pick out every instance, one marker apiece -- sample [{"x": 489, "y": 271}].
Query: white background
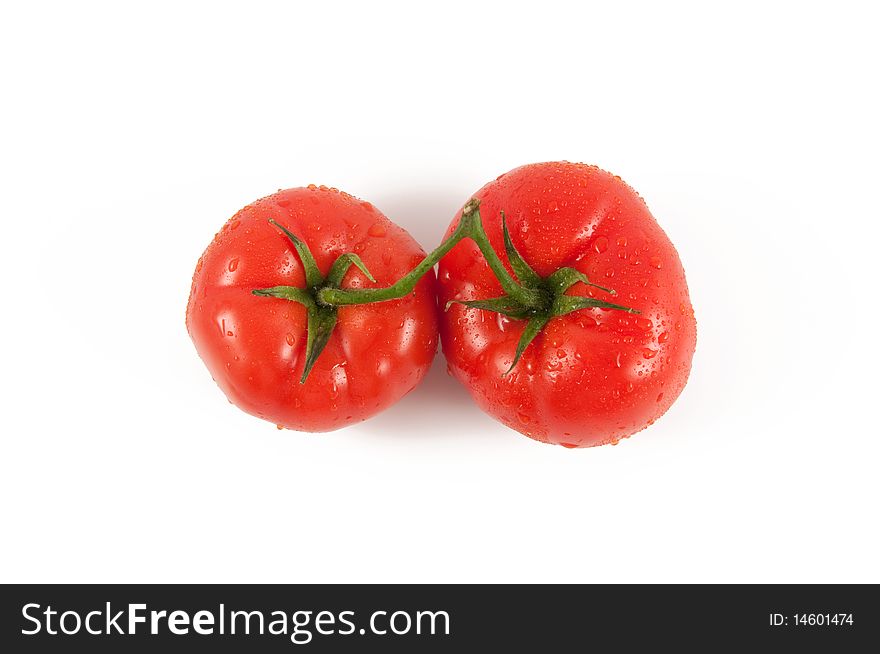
[{"x": 130, "y": 135}]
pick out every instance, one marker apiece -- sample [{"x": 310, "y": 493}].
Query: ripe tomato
[
  {"x": 255, "y": 347},
  {"x": 595, "y": 375}
]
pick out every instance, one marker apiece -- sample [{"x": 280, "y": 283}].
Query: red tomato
[
  {"x": 254, "y": 346},
  {"x": 593, "y": 376}
]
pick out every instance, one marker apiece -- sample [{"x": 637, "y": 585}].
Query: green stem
[
  {"x": 470, "y": 226},
  {"x": 403, "y": 287},
  {"x": 292, "y": 293}
]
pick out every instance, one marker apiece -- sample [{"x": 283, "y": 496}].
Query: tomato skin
[
  {"x": 254, "y": 347},
  {"x": 593, "y": 376}
]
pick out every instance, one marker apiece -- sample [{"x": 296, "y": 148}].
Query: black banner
[{"x": 419, "y": 618}]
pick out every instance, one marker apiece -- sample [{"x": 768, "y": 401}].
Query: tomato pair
[{"x": 563, "y": 307}]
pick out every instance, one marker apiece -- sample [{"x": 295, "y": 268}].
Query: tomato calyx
[
  {"x": 321, "y": 317},
  {"x": 546, "y": 300}
]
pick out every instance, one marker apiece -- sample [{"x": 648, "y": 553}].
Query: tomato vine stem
[
  {"x": 532, "y": 298},
  {"x": 469, "y": 226}
]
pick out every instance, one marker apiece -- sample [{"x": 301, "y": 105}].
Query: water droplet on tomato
[
  {"x": 644, "y": 323},
  {"x": 523, "y": 418},
  {"x": 234, "y": 224},
  {"x": 655, "y": 262},
  {"x": 377, "y": 229},
  {"x": 601, "y": 244},
  {"x": 233, "y": 264},
  {"x": 279, "y": 427},
  {"x": 617, "y": 359},
  {"x": 284, "y": 202},
  {"x": 621, "y": 241},
  {"x": 663, "y": 337},
  {"x": 501, "y": 320},
  {"x": 291, "y": 339},
  {"x": 586, "y": 321},
  {"x": 312, "y": 187},
  {"x": 648, "y": 353},
  {"x": 367, "y": 206},
  {"x": 660, "y": 397},
  {"x": 621, "y": 254},
  {"x": 570, "y": 446}
]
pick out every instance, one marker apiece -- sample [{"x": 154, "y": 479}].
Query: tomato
[
  {"x": 255, "y": 347},
  {"x": 592, "y": 376}
]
